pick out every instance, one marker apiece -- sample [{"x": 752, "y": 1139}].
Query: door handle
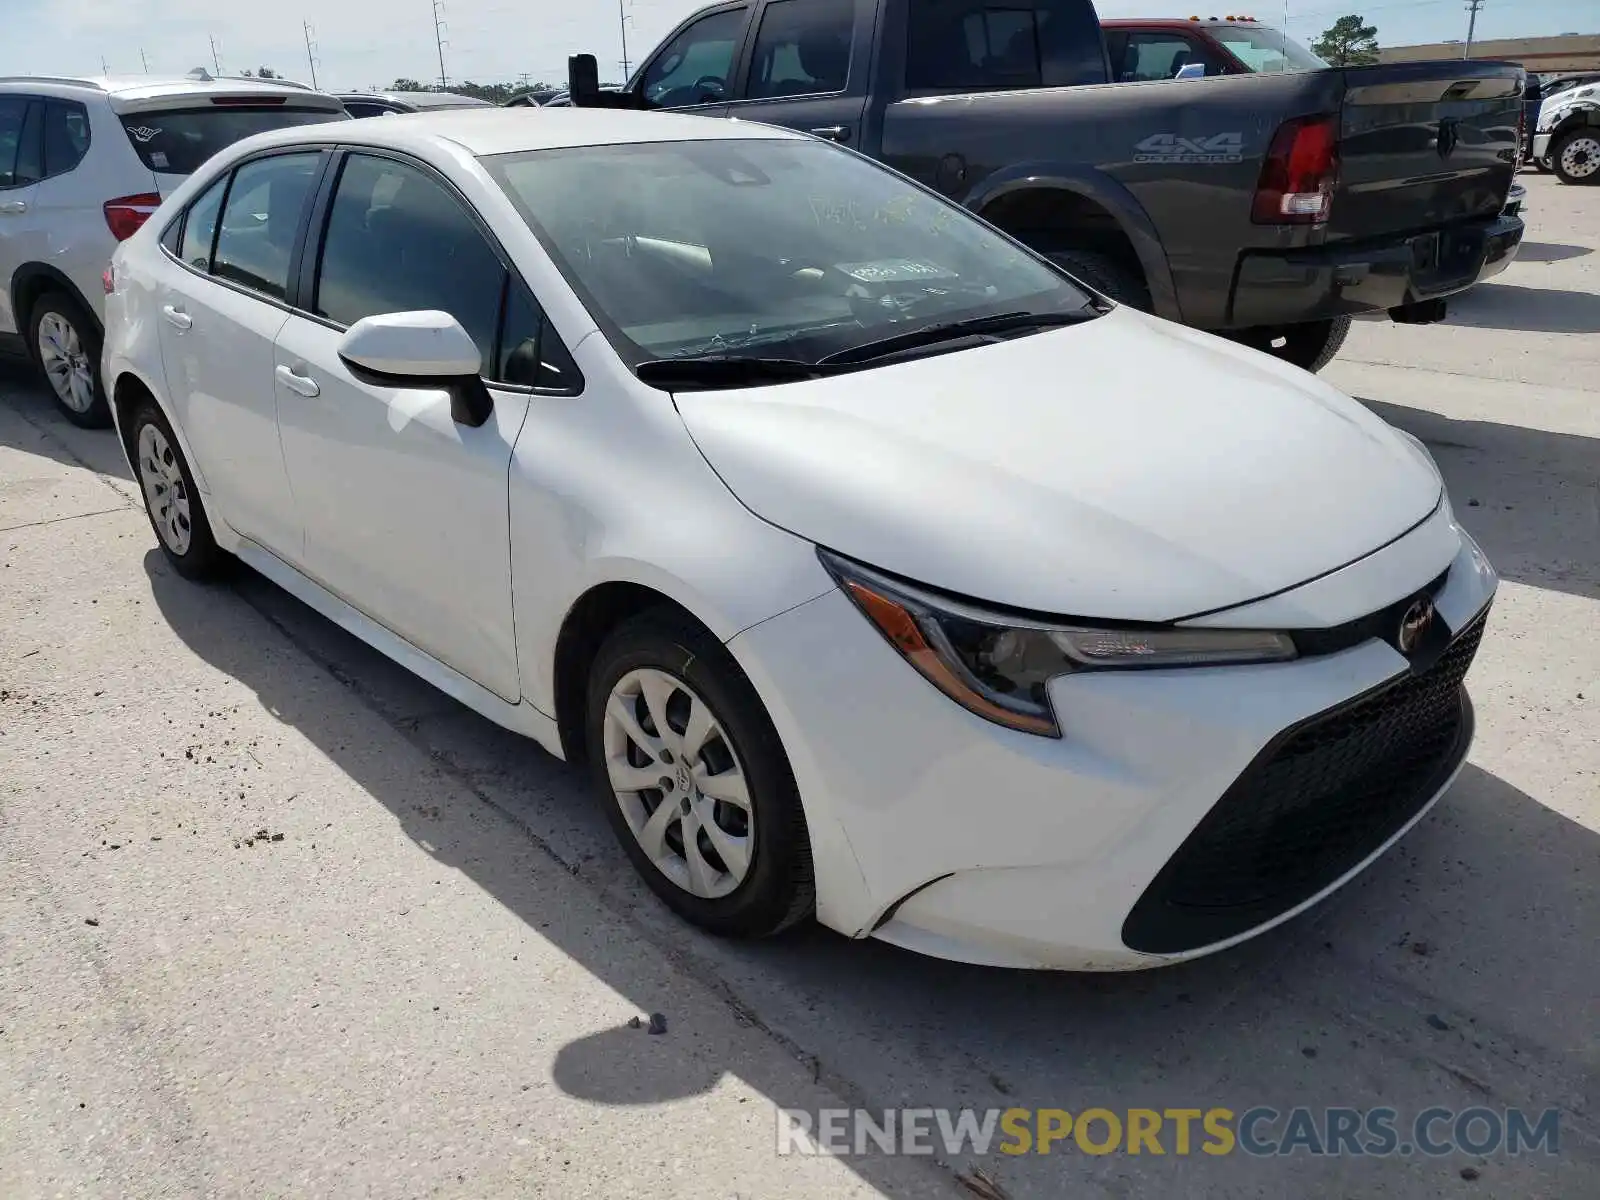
[
  {"x": 14, "y": 208},
  {"x": 834, "y": 133},
  {"x": 176, "y": 317},
  {"x": 296, "y": 382}
]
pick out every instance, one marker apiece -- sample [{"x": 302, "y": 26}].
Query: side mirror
[
  {"x": 1192, "y": 70},
  {"x": 583, "y": 81},
  {"x": 420, "y": 350}
]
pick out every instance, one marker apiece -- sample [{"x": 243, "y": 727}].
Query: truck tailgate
[{"x": 1425, "y": 145}]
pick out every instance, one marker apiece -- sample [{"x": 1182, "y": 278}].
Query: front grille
[{"x": 1322, "y": 797}]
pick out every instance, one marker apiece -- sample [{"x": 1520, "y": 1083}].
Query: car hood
[{"x": 1126, "y": 468}]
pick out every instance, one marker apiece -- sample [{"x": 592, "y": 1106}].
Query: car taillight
[
  {"x": 1298, "y": 177},
  {"x": 126, "y": 214}
]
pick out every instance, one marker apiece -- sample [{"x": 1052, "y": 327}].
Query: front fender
[{"x": 1091, "y": 184}]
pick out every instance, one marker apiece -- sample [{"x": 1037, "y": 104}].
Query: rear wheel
[
  {"x": 1310, "y": 346},
  {"x": 694, "y": 781},
  {"x": 66, "y": 345},
  {"x": 1575, "y": 157},
  {"x": 173, "y": 503}
]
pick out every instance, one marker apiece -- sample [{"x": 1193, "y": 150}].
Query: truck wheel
[
  {"x": 1575, "y": 158},
  {"x": 1106, "y": 275},
  {"x": 1310, "y": 347}
]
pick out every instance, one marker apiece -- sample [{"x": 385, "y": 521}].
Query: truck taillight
[
  {"x": 1299, "y": 175},
  {"x": 126, "y": 214}
]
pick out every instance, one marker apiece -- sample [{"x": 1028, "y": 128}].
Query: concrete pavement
[{"x": 425, "y": 985}]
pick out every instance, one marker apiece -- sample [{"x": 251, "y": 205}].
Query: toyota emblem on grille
[{"x": 1415, "y": 625}]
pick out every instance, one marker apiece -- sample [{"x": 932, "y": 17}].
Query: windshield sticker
[
  {"x": 836, "y": 212},
  {"x": 143, "y": 133},
  {"x": 1169, "y": 148},
  {"x": 895, "y": 270},
  {"x": 158, "y": 160}
]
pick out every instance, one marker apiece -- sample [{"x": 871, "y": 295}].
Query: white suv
[{"x": 83, "y": 163}]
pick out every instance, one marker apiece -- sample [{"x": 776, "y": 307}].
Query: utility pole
[
  {"x": 438, "y": 40},
  {"x": 311, "y": 54},
  {"x": 622, "y": 15},
  {"x": 144, "y": 60},
  {"x": 105, "y": 67},
  {"x": 216, "y": 60},
  {"x": 1472, "y": 24}
]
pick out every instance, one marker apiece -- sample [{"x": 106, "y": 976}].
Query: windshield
[
  {"x": 1266, "y": 50},
  {"x": 794, "y": 247},
  {"x": 176, "y": 142}
]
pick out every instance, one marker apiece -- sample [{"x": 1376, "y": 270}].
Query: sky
[{"x": 369, "y": 43}]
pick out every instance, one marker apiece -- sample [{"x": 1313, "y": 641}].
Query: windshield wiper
[
  {"x": 949, "y": 331},
  {"x": 728, "y": 370}
]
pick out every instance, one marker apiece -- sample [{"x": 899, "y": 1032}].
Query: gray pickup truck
[{"x": 1267, "y": 207}]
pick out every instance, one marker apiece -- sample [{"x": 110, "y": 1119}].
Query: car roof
[
  {"x": 421, "y": 99},
  {"x": 153, "y": 86},
  {"x": 497, "y": 130}
]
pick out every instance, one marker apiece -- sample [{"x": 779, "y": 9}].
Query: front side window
[
  {"x": 802, "y": 48},
  {"x": 260, "y": 221},
  {"x": 177, "y": 142},
  {"x": 532, "y": 353},
  {"x": 399, "y": 241},
  {"x": 694, "y": 67},
  {"x": 66, "y": 136},
  {"x": 791, "y": 246}
]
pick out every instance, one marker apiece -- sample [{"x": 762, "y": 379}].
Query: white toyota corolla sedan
[{"x": 876, "y": 568}]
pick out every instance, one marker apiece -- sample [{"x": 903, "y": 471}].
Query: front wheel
[
  {"x": 66, "y": 345},
  {"x": 1310, "y": 346},
  {"x": 1575, "y": 157},
  {"x": 172, "y": 502},
  {"x": 692, "y": 777}
]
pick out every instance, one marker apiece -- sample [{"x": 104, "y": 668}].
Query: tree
[{"x": 1348, "y": 43}]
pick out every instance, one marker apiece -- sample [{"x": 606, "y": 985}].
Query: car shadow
[
  {"x": 1550, "y": 252},
  {"x": 26, "y": 394},
  {"x": 883, "y": 1027},
  {"x": 1529, "y": 309},
  {"x": 1526, "y": 495}
]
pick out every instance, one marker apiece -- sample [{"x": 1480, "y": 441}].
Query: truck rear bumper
[{"x": 1343, "y": 280}]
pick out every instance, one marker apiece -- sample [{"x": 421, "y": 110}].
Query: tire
[
  {"x": 661, "y": 660},
  {"x": 171, "y": 501},
  {"x": 65, "y": 343},
  {"x": 1310, "y": 346},
  {"x": 1575, "y": 156},
  {"x": 1106, "y": 275}
]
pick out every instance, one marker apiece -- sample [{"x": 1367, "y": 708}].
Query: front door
[
  {"x": 800, "y": 67},
  {"x": 219, "y": 315},
  {"x": 404, "y": 509},
  {"x": 693, "y": 72}
]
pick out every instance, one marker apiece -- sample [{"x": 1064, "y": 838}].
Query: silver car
[{"x": 83, "y": 163}]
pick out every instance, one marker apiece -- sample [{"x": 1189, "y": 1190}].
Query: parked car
[
  {"x": 537, "y": 99},
  {"x": 876, "y": 567},
  {"x": 1271, "y": 208},
  {"x": 1141, "y": 49},
  {"x": 83, "y": 163},
  {"x": 1567, "y": 139},
  {"x": 389, "y": 104}
]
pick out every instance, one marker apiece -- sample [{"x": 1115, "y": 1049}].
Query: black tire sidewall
[
  {"x": 1105, "y": 275},
  {"x": 90, "y": 337},
  {"x": 204, "y": 559},
  {"x": 777, "y": 892}
]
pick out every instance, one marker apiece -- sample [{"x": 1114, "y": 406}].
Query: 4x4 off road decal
[{"x": 1170, "y": 148}]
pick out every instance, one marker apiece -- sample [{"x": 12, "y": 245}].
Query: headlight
[{"x": 998, "y": 666}]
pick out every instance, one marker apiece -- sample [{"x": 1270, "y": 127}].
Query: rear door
[
  {"x": 22, "y": 239},
  {"x": 1425, "y": 145},
  {"x": 807, "y": 67}
]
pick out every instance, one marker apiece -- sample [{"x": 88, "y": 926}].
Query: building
[{"x": 1570, "y": 52}]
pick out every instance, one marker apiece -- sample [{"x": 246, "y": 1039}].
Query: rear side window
[
  {"x": 975, "y": 44},
  {"x": 178, "y": 141},
  {"x": 200, "y": 227},
  {"x": 66, "y": 136},
  {"x": 802, "y": 48},
  {"x": 398, "y": 241},
  {"x": 1152, "y": 56},
  {"x": 260, "y": 221}
]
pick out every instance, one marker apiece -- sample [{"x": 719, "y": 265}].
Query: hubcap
[
  {"x": 165, "y": 493},
  {"x": 66, "y": 364},
  {"x": 679, "y": 782},
  {"x": 1580, "y": 157}
]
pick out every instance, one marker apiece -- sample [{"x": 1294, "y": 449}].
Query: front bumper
[
  {"x": 976, "y": 843},
  {"x": 1348, "y": 279}
]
